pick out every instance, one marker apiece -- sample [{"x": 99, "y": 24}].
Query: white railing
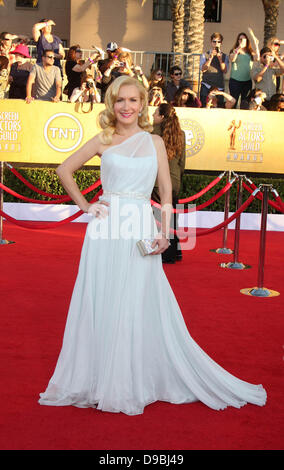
[{"x": 149, "y": 60}]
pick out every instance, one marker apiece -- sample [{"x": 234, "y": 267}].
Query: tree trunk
[
  {"x": 271, "y": 12},
  {"x": 178, "y": 31},
  {"x": 194, "y": 38}
]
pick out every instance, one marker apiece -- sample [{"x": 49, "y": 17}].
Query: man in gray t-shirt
[{"x": 44, "y": 80}]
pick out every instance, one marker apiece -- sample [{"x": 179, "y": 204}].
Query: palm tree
[
  {"x": 271, "y": 12},
  {"x": 178, "y": 31},
  {"x": 194, "y": 38}
]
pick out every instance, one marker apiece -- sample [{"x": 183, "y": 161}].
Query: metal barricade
[{"x": 151, "y": 60}]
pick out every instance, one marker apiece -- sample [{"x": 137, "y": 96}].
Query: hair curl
[
  {"x": 171, "y": 131},
  {"x": 107, "y": 119}
]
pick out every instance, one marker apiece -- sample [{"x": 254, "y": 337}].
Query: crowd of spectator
[{"x": 254, "y": 79}]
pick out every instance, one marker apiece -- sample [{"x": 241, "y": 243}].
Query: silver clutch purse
[{"x": 145, "y": 247}]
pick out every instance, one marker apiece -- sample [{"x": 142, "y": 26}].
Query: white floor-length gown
[{"x": 126, "y": 343}]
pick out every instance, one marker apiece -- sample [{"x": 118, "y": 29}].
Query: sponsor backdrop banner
[{"x": 216, "y": 140}]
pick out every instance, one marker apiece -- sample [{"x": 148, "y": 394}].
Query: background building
[{"x": 96, "y": 22}]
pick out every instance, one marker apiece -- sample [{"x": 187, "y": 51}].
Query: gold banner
[{"x": 216, "y": 140}]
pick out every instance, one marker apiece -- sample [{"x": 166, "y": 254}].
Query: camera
[
  {"x": 217, "y": 49},
  {"x": 89, "y": 84}
]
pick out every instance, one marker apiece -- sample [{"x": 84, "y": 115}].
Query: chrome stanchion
[
  {"x": 236, "y": 264},
  {"x": 2, "y": 241},
  {"x": 225, "y": 250},
  {"x": 261, "y": 291}
]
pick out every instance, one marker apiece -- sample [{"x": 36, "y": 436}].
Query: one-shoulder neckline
[{"x": 125, "y": 140}]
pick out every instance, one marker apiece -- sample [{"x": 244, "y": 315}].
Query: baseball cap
[{"x": 112, "y": 46}]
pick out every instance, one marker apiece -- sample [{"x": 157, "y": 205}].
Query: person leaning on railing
[{"x": 45, "y": 80}]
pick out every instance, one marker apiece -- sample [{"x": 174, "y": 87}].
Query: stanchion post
[
  {"x": 224, "y": 249},
  {"x": 236, "y": 263},
  {"x": 261, "y": 291},
  {"x": 2, "y": 241}
]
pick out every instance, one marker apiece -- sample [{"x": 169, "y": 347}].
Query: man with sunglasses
[
  {"x": 46, "y": 79},
  {"x": 176, "y": 82},
  {"x": 264, "y": 74},
  {"x": 213, "y": 65}
]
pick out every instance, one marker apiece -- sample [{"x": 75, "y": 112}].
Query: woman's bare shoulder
[{"x": 158, "y": 142}]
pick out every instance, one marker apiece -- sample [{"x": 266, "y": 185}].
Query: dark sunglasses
[
  {"x": 177, "y": 73},
  {"x": 281, "y": 100},
  {"x": 159, "y": 74},
  {"x": 216, "y": 40},
  {"x": 276, "y": 43},
  {"x": 50, "y": 56},
  {"x": 7, "y": 39}
]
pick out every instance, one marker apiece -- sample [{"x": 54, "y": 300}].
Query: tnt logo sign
[{"x": 63, "y": 132}]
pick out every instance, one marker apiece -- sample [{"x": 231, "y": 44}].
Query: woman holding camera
[
  {"x": 242, "y": 57},
  {"x": 87, "y": 93}
]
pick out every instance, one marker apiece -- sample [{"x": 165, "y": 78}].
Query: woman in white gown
[{"x": 126, "y": 344}]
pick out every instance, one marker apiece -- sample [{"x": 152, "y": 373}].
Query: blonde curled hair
[{"x": 107, "y": 119}]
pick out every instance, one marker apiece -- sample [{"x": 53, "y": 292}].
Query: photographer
[
  {"x": 213, "y": 65},
  {"x": 123, "y": 65},
  {"x": 87, "y": 93},
  {"x": 156, "y": 96},
  {"x": 264, "y": 73}
]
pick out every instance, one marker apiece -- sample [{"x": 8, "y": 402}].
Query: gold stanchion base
[
  {"x": 5, "y": 242},
  {"x": 235, "y": 265},
  {"x": 223, "y": 251},
  {"x": 260, "y": 292}
]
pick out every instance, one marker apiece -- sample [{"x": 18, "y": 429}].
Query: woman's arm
[
  {"x": 165, "y": 191},
  {"x": 74, "y": 162},
  {"x": 88, "y": 63},
  {"x": 38, "y": 27}
]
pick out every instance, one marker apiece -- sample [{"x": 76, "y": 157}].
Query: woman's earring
[{"x": 140, "y": 114}]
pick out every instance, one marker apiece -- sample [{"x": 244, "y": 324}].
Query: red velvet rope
[
  {"x": 43, "y": 193},
  {"x": 44, "y": 226},
  {"x": 243, "y": 207},
  {"x": 279, "y": 207},
  {"x": 201, "y": 206},
  {"x": 38, "y": 201},
  {"x": 203, "y": 191}
]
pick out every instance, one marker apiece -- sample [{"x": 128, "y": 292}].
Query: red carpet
[{"x": 243, "y": 334}]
